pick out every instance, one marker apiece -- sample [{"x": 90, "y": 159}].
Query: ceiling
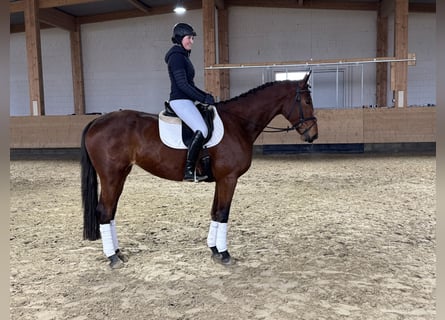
[
  {"x": 86, "y": 11},
  {"x": 91, "y": 8}
]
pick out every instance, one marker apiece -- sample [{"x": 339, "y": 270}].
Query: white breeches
[{"x": 188, "y": 112}]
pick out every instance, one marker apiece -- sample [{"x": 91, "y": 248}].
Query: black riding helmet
[{"x": 180, "y": 30}]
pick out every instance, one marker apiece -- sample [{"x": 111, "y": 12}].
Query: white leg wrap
[
  {"x": 221, "y": 237},
  {"x": 211, "y": 238},
  {"x": 114, "y": 234},
  {"x": 107, "y": 240}
]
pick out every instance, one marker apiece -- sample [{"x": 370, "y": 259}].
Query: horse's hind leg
[{"x": 111, "y": 189}]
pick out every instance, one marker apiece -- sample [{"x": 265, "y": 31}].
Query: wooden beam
[
  {"x": 190, "y": 5},
  {"x": 422, "y": 7},
  {"x": 211, "y": 77},
  {"x": 77, "y": 71},
  {"x": 16, "y": 28},
  {"x": 19, "y": 6},
  {"x": 400, "y": 52},
  {"x": 34, "y": 57},
  {"x": 223, "y": 50},
  {"x": 313, "y": 4},
  {"x": 382, "y": 51},
  {"x": 102, "y": 17},
  {"x": 386, "y": 8},
  {"x": 220, "y": 4},
  {"x": 57, "y": 18},
  {"x": 141, "y": 6}
]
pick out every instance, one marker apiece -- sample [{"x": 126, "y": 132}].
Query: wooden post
[
  {"x": 34, "y": 57},
  {"x": 382, "y": 51},
  {"x": 211, "y": 77},
  {"x": 77, "y": 71},
  {"x": 400, "y": 52},
  {"x": 223, "y": 48}
]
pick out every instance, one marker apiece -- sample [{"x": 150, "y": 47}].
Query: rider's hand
[{"x": 209, "y": 99}]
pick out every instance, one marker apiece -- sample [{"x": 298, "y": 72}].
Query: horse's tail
[{"x": 89, "y": 192}]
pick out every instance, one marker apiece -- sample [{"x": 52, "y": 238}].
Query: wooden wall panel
[
  {"x": 47, "y": 131},
  {"x": 334, "y": 126},
  {"x": 413, "y": 124},
  {"x": 381, "y": 125}
]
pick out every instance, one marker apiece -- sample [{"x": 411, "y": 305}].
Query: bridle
[{"x": 297, "y": 105}]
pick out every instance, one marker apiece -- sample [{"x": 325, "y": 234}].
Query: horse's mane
[{"x": 254, "y": 90}]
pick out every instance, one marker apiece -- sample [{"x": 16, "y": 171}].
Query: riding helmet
[{"x": 180, "y": 30}]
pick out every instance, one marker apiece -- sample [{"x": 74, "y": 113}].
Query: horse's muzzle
[
  {"x": 311, "y": 139},
  {"x": 311, "y": 133}
]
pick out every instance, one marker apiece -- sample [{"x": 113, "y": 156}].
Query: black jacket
[{"x": 182, "y": 72}]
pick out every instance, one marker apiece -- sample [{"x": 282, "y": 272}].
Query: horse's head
[{"x": 300, "y": 112}]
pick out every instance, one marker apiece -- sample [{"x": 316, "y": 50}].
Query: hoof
[
  {"x": 223, "y": 258},
  {"x": 122, "y": 256},
  {"x": 115, "y": 262}
]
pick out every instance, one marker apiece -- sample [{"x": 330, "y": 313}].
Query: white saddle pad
[{"x": 170, "y": 131}]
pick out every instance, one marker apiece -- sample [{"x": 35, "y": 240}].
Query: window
[
  {"x": 292, "y": 75},
  {"x": 328, "y": 85}
]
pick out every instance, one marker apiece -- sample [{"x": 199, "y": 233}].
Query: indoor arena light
[{"x": 179, "y": 9}]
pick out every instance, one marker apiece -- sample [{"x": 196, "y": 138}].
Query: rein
[{"x": 302, "y": 119}]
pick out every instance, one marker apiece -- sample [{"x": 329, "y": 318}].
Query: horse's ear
[{"x": 306, "y": 77}]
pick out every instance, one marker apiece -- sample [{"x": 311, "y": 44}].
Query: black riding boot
[{"x": 192, "y": 156}]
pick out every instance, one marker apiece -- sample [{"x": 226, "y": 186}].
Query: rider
[{"x": 184, "y": 93}]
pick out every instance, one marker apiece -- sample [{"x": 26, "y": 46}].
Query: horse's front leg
[{"x": 217, "y": 237}]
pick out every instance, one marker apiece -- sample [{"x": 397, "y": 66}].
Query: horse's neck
[{"x": 256, "y": 112}]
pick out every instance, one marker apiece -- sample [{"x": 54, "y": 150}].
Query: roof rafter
[
  {"x": 313, "y": 4},
  {"x": 191, "y": 5},
  {"x": 57, "y": 18},
  {"x": 142, "y": 9},
  {"x": 141, "y": 6},
  {"x": 19, "y": 6}
]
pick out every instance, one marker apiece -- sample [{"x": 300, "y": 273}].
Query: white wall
[
  {"x": 19, "y": 88},
  {"x": 422, "y": 42},
  {"x": 124, "y": 63},
  {"x": 124, "y": 60},
  {"x": 56, "y": 69},
  {"x": 265, "y": 35}
]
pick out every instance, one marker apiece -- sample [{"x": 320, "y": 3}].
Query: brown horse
[{"x": 114, "y": 142}]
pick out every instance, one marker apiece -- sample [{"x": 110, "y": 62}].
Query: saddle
[
  {"x": 207, "y": 113},
  {"x": 177, "y": 135}
]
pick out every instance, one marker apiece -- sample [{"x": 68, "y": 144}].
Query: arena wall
[
  {"x": 124, "y": 68},
  {"x": 352, "y": 126},
  {"x": 123, "y": 60},
  {"x": 367, "y": 125}
]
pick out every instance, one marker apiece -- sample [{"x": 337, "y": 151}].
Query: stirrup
[{"x": 195, "y": 177}]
